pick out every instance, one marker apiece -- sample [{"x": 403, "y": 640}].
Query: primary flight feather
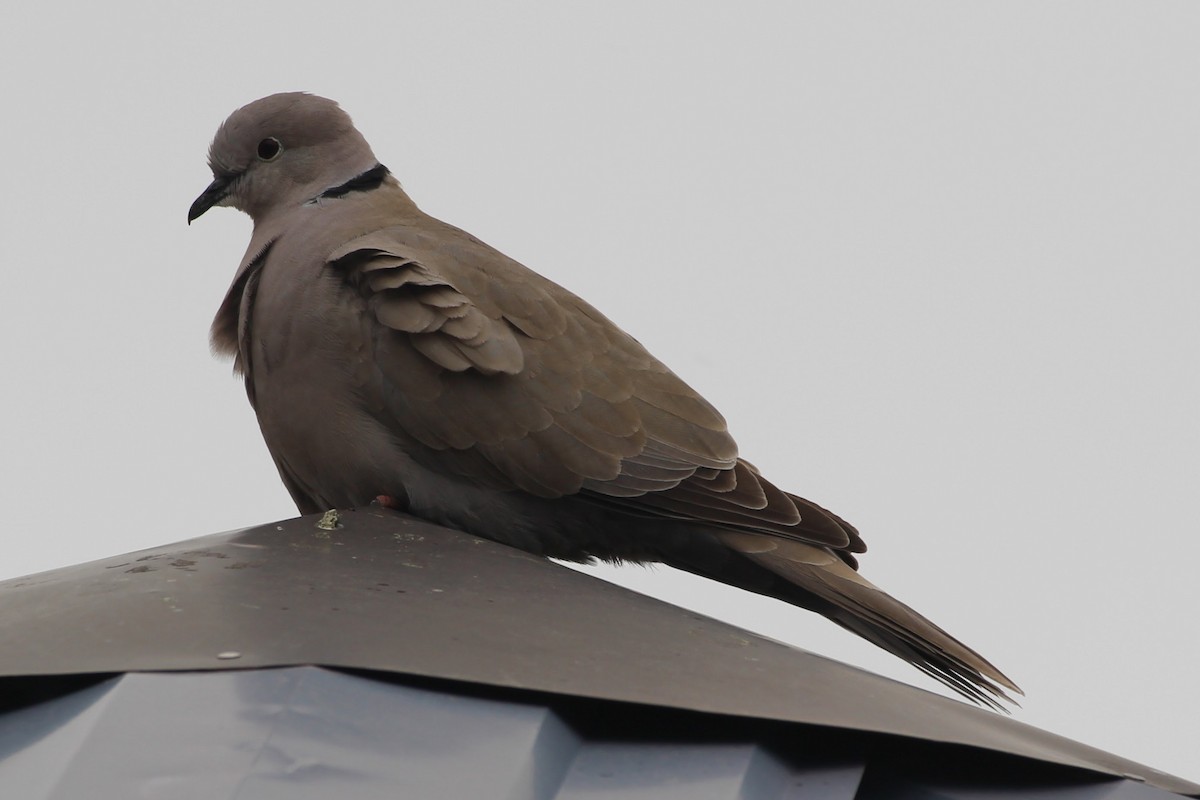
[{"x": 388, "y": 354}]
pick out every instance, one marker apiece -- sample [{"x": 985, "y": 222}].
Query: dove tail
[{"x": 815, "y": 578}]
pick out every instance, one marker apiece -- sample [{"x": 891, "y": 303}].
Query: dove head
[{"x": 281, "y": 151}]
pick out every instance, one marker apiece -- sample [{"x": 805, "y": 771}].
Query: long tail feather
[{"x": 856, "y": 604}]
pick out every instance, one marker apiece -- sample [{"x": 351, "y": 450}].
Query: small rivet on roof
[{"x": 228, "y": 654}]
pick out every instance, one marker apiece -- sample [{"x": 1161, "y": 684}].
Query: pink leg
[{"x": 387, "y": 501}]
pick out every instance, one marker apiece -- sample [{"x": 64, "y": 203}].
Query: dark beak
[{"x": 215, "y": 192}]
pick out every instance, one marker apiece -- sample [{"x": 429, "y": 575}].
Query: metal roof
[
  {"x": 425, "y": 609},
  {"x": 305, "y": 732}
]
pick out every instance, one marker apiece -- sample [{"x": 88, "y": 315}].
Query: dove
[{"x": 392, "y": 357}]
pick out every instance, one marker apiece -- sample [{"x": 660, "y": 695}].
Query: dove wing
[{"x": 499, "y": 375}]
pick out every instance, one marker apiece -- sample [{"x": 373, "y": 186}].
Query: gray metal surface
[
  {"x": 304, "y": 732},
  {"x": 390, "y": 593}
]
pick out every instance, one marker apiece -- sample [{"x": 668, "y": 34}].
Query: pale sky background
[{"x": 937, "y": 263}]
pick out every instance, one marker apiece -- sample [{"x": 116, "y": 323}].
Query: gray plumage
[{"x": 387, "y": 353}]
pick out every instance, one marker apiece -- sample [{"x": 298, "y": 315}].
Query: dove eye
[{"x": 269, "y": 149}]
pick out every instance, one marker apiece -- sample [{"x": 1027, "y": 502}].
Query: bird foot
[{"x": 387, "y": 501}]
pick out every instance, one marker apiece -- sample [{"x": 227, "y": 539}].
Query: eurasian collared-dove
[{"x": 390, "y": 355}]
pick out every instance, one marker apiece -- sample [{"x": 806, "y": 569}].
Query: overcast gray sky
[{"x": 936, "y": 263}]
